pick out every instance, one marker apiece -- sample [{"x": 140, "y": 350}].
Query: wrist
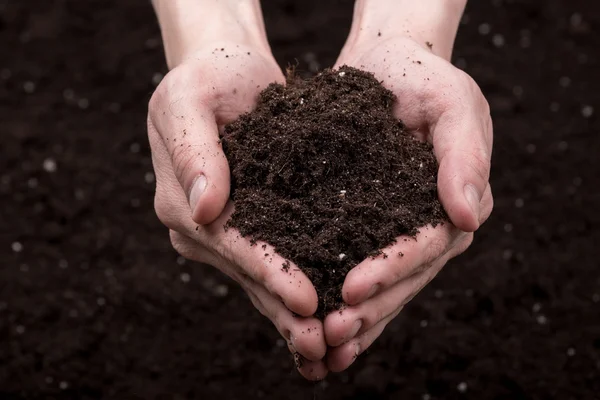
[
  {"x": 188, "y": 26},
  {"x": 431, "y": 23}
]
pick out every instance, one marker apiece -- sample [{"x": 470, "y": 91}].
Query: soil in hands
[{"x": 324, "y": 172}]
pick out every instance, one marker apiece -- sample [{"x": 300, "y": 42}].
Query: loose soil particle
[{"x": 324, "y": 172}]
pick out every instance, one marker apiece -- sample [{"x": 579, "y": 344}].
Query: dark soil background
[{"x": 94, "y": 303}]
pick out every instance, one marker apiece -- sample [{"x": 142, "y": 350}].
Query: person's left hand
[{"x": 443, "y": 105}]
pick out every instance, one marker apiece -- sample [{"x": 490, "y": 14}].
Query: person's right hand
[{"x": 206, "y": 91}]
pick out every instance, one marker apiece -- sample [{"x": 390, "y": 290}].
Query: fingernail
[
  {"x": 473, "y": 198},
  {"x": 373, "y": 290},
  {"x": 355, "y": 328},
  {"x": 198, "y": 188}
]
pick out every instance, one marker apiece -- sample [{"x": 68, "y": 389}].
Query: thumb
[
  {"x": 198, "y": 161},
  {"x": 463, "y": 147}
]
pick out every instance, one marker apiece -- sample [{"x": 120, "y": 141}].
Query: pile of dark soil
[{"x": 324, "y": 172}]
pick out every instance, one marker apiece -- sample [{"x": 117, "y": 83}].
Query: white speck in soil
[
  {"x": 564, "y": 81},
  {"x": 101, "y": 301},
  {"x": 63, "y": 264},
  {"x": 69, "y": 94},
  {"x": 17, "y": 247},
  {"x": 157, "y": 78},
  {"x": 185, "y": 277},
  {"x": 562, "y": 145},
  {"x": 576, "y": 20},
  {"x": 518, "y": 91},
  {"x": 29, "y": 87},
  {"x": 79, "y": 194},
  {"x": 462, "y": 387},
  {"x": 83, "y": 103},
  {"x": 519, "y": 203},
  {"x": 587, "y": 111},
  {"x": 20, "y": 329},
  {"x": 525, "y": 42},
  {"x": 460, "y": 63},
  {"x": 32, "y": 183},
  {"x": 498, "y": 40},
  {"x": 571, "y": 352},
  {"x": 5, "y": 74},
  {"x": 508, "y": 228},
  {"x": 134, "y": 147},
  {"x": 596, "y": 298},
  {"x": 426, "y": 396},
  {"x": 342, "y": 74},
  {"x": 484, "y": 29},
  {"x": 180, "y": 260},
  {"x": 49, "y": 165},
  {"x": 280, "y": 343},
  {"x": 536, "y": 307},
  {"x": 541, "y": 319},
  {"x": 152, "y": 43},
  {"x": 221, "y": 290},
  {"x": 63, "y": 385},
  {"x": 424, "y": 323},
  {"x": 114, "y": 107},
  {"x": 149, "y": 177},
  {"x": 342, "y": 256}
]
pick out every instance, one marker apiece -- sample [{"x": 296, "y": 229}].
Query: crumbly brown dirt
[{"x": 324, "y": 172}]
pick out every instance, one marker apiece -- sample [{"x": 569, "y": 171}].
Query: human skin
[
  {"x": 407, "y": 44},
  {"x": 208, "y": 87},
  {"x": 220, "y": 60}
]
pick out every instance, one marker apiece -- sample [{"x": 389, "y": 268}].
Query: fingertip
[
  {"x": 301, "y": 298},
  {"x": 303, "y": 304},
  {"x": 313, "y": 370},
  {"x": 342, "y": 357},
  {"x": 461, "y": 205},
  {"x": 463, "y": 219},
  {"x": 354, "y": 285},
  {"x": 308, "y": 339}
]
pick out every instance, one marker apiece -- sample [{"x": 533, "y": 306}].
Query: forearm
[
  {"x": 432, "y": 23},
  {"x": 190, "y": 25}
]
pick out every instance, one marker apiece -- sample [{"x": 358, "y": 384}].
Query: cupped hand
[
  {"x": 441, "y": 104},
  {"x": 193, "y": 102}
]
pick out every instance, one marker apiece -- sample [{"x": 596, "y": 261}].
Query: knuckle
[
  {"x": 181, "y": 244},
  {"x": 165, "y": 213},
  {"x": 437, "y": 246},
  {"x": 478, "y": 162},
  {"x": 183, "y": 158}
]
